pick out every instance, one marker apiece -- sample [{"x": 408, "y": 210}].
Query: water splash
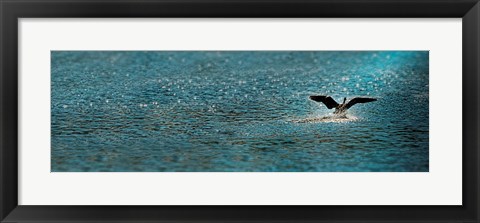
[{"x": 327, "y": 119}]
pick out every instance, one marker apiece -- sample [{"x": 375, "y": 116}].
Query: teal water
[{"x": 238, "y": 111}]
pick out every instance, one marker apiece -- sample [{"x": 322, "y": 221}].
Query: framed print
[{"x": 239, "y": 111}]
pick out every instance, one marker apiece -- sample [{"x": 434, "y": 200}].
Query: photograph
[{"x": 239, "y": 111}]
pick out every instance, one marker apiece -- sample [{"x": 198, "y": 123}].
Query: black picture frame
[{"x": 12, "y": 10}]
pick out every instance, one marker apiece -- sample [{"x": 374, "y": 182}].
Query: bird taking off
[{"x": 340, "y": 108}]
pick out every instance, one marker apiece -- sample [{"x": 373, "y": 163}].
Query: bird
[{"x": 340, "y": 108}]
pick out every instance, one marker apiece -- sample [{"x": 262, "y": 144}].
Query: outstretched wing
[
  {"x": 327, "y": 100},
  {"x": 359, "y": 100}
]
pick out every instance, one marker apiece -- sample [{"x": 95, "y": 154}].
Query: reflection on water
[{"x": 238, "y": 111}]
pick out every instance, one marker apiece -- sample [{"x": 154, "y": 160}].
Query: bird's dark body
[{"x": 340, "y": 108}]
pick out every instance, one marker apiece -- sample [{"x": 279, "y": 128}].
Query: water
[{"x": 238, "y": 111}]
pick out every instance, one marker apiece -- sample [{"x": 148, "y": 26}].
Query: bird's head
[{"x": 344, "y": 100}]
